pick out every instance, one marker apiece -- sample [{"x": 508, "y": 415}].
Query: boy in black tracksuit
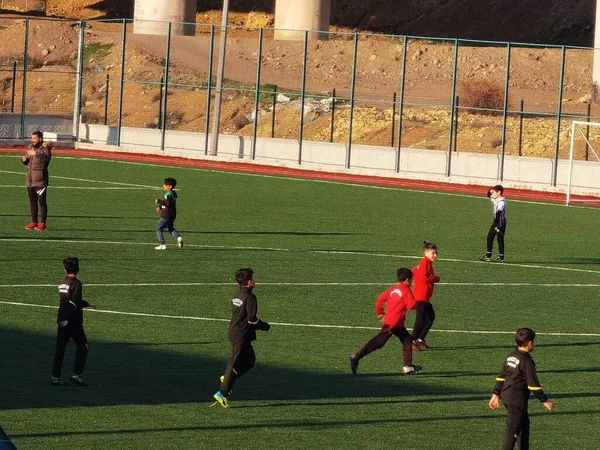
[
  {"x": 70, "y": 324},
  {"x": 167, "y": 207},
  {"x": 514, "y": 383},
  {"x": 242, "y": 331},
  {"x": 498, "y": 227}
]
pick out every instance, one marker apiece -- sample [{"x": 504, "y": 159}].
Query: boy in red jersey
[
  {"x": 397, "y": 300},
  {"x": 424, "y": 278}
]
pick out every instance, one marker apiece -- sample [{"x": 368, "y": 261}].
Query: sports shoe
[
  {"x": 499, "y": 260},
  {"x": 41, "y": 226},
  {"x": 161, "y": 247},
  {"x": 220, "y": 400},
  {"x": 77, "y": 379},
  {"x": 180, "y": 242},
  {"x": 415, "y": 346},
  {"x": 57, "y": 381},
  {"x": 411, "y": 370},
  {"x": 353, "y": 363},
  {"x": 485, "y": 258},
  {"x": 31, "y": 226}
]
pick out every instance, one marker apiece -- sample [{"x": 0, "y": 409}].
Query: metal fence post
[
  {"x": 559, "y": 114},
  {"x": 303, "y": 97},
  {"x": 401, "y": 106},
  {"x": 211, "y": 52},
  {"x": 106, "y": 100},
  {"x": 24, "y": 93},
  {"x": 14, "y": 81},
  {"x": 332, "y": 115},
  {"x": 214, "y": 145},
  {"x": 161, "y": 93},
  {"x": 521, "y": 128},
  {"x": 273, "y": 116},
  {"x": 587, "y": 132},
  {"x": 352, "y": 99},
  {"x": 454, "y": 71},
  {"x": 393, "y": 118},
  {"x": 163, "y": 131},
  {"x": 257, "y": 92},
  {"x": 78, "y": 81},
  {"x": 456, "y": 113},
  {"x": 505, "y": 114},
  {"x": 121, "y": 84}
]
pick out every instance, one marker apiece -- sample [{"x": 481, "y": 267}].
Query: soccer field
[{"x": 322, "y": 252}]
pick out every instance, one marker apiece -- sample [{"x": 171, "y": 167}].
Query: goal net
[{"x": 583, "y": 186}]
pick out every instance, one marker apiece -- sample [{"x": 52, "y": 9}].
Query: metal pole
[
  {"x": 401, "y": 107},
  {"x": 209, "y": 87},
  {"x": 14, "y": 81},
  {"x": 559, "y": 114},
  {"x": 78, "y": 81},
  {"x": 106, "y": 100},
  {"x": 456, "y": 123},
  {"x": 24, "y": 92},
  {"x": 571, "y": 162},
  {"x": 219, "y": 87},
  {"x": 161, "y": 86},
  {"x": 332, "y": 115},
  {"x": 121, "y": 84},
  {"x": 303, "y": 97},
  {"x": 352, "y": 90},
  {"x": 454, "y": 71},
  {"x": 163, "y": 131},
  {"x": 587, "y": 132},
  {"x": 504, "y": 114},
  {"x": 257, "y": 92},
  {"x": 521, "y": 128},
  {"x": 393, "y": 118},
  {"x": 273, "y": 116}
]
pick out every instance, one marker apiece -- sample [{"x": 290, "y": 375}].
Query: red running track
[{"x": 262, "y": 169}]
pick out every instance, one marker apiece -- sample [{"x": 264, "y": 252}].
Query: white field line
[
  {"x": 90, "y": 188},
  {"x": 324, "y": 283},
  {"x": 90, "y": 181},
  {"x": 299, "y": 250},
  {"x": 343, "y": 183},
  {"x": 286, "y": 324}
]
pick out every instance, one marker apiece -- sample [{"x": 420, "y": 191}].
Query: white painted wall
[{"x": 153, "y": 17}]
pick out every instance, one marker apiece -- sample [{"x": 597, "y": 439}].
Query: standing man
[{"x": 37, "y": 160}]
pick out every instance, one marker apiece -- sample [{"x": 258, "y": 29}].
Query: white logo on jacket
[
  {"x": 237, "y": 302},
  {"x": 512, "y": 361},
  {"x": 63, "y": 288}
]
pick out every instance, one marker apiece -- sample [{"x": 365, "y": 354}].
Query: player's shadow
[{"x": 152, "y": 373}]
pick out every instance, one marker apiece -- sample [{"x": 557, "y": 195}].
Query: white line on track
[
  {"x": 90, "y": 188},
  {"x": 299, "y": 325},
  {"x": 91, "y": 181},
  {"x": 325, "y": 283},
  {"x": 297, "y": 250}
]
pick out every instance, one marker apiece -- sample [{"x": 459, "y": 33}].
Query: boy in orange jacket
[
  {"x": 397, "y": 300},
  {"x": 424, "y": 279}
]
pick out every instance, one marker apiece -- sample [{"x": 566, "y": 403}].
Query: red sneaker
[
  {"x": 415, "y": 346},
  {"x": 422, "y": 345},
  {"x": 41, "y": 226},
  {"x": 31, "y": 226}
]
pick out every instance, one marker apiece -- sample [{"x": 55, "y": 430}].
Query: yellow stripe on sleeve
[
  {"x": 500, "y": 379},
  {"x": 534, "y": 388}
]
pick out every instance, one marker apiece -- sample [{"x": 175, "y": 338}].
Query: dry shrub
[{"x": 482, "y": 95}]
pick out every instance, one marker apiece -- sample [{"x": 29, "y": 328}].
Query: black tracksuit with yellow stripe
[{"x": 516, "y": 381}]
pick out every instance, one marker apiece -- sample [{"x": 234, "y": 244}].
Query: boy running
[
  {"x": 498, "y": 228},
  {"x": 397, "y": 300},
  {"x": 424, "y": 280},
  {"x": 167, "y": 207},
  {"x": 70, "y": 324},
  {"x": 517, "y": 379}
]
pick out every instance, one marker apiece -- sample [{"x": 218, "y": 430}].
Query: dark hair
[
  {"x": 242, "y": 276},
  {"x": 524, "y": 335},
  {"x": 171, "y": 182},
  {"x": 429, "y": 246},
  {"x": 404, "y": 274},
  {"x": 498, "y": 188},
  {"x": 38, "y": 134},
  {"x": 71, "y": 265}
]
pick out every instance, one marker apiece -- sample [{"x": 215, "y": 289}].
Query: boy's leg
[
  {"x": 242, "y": 359},
  {"x": 162, "y": 223},
  {"x": 428, "y": 319},
  {"x": 171, "y": 228},
  {"x": 375, "y": 343},
  {"x": 406, "y": 340},
  {"x": 514, "y": 426},
  {"x": 62, "y": 339},
  {"x": 501, "y": 245},
  {"x": 81, "y": 342},
  {"x": 523, "y": 439},
  {"x": 419, "y": 320},
  {"x": 490, "y": 241},
  {"x": 247, "y": 360},
  {"x": 33, "y": 204}
]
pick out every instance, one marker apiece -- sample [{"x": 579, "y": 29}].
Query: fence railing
[{"x": 509, "y": 100}]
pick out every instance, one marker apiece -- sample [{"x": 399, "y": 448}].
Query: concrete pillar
[
  {"x": 596, "y": 70},
  {"x": 293, "y": 17},
  {"x": 153, "y": 17}
]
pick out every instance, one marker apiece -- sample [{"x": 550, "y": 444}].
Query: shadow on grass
[{"x": 122, "y": 374}]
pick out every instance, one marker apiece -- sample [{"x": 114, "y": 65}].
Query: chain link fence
[{"x": 391, "y": 103}]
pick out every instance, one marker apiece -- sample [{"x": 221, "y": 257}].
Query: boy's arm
[
  {"x": 495, "y": 400},
  {"x": 379, "y": 306},
  {"x": 409, "y": 299},
  {"x": 251, "y": 311},
  {"x": 499, "y": 218},
  {"x": 77, "y": 296},
  {"x": 533, "y": 383},
  {"x": 67, "y": 306}
]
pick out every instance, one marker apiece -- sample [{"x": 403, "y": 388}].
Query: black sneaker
[
  {"x": 353, "y": 363},
  {"x": 499, "y": 259},
  {"x": 485, "y": 258},
  {"x": 57, "y": 381},
  {"x": 77, "y": 379},
  {"x": 411, "y": 370}
]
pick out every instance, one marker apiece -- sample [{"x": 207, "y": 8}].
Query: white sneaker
[
  {"x": 411, "y": 370},
  {"x": 160, "y": 247},
  {"x": 180, "y": 242}
]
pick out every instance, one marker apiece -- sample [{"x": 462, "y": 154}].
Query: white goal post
[{"x": 580, "y": 131}]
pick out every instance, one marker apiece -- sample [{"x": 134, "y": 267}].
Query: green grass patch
[{"x": 96, "y": 50}]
